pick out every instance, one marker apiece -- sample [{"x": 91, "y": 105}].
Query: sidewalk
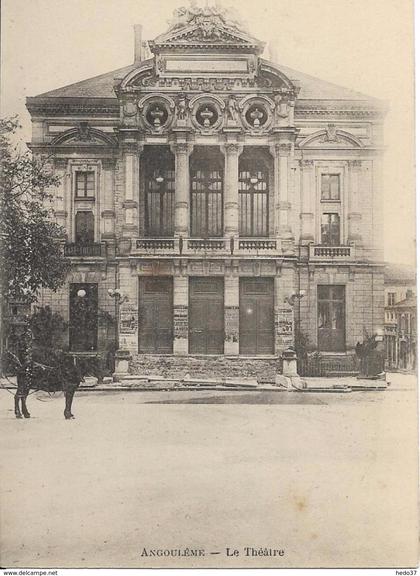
[{"x": 306, "y": 385}]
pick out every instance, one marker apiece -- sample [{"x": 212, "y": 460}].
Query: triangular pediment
[{"x": 209, "y": 26}]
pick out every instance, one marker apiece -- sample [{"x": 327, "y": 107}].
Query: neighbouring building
[
  {"x": 230, "y": 200},
  {"x": 400, "y": 317}
]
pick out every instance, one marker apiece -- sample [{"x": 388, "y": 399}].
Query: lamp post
[{"x": 119, "y": 298}]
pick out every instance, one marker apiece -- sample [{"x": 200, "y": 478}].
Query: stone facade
[{"x": 218, "y": 202}]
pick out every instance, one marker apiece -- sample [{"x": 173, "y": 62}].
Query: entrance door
[
  {"x": 206, "y": 316},
  {"x": 256, "y": 316},
  {"x": 331, "y": 319},
  {"x": 83, "y": 325},
  {"x": 156, "y": 316}
]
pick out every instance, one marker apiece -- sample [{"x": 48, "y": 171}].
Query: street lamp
[
  {"x": 118, "y": 296},
  {"x": 296, "y": 296}
]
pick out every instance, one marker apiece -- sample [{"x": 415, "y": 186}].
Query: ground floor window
[
  {"x": 83, "y": 325},
  {"x": 206, "y": 316},
  {"x": 256, "y": 316},
  {"x": 331, "y": 318},
  {"x": 156, "y": 315}
]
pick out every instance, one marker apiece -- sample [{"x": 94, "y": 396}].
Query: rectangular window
[
  {"x": 331, "y": 318},
  {"x": 253, "y": 202},
  {"x": 330, "y": 187},
  {"x": 330, "y": 229},
  {"x": 85, "y": 184},
  {"x": 391, "y": 298},
  {"x": 160, "y": 203}
]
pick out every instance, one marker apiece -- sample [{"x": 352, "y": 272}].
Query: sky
[{"x": 365, "y": 45}]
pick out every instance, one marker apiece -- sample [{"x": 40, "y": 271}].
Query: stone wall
[{"x": 263, "y": 369}]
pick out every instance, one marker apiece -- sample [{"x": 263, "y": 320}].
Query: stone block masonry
[{"x": 263, "y": 369}]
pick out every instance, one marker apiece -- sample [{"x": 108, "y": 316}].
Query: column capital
[
  {"x": 181, "y": 148},
  {"x": 354, "y": 164},
  {"x": 231, "y": 148},
  {"x": 279, "y": 149},
  {"x": 308, "y": 164}
]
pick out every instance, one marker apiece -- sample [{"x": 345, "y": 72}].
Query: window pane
[
  {"x": 334, "y": 187},
  {"x": 325, "y": 187},
  {"x": 330, "y": 229},
  {"x": 253, "y": 198},
  {"x": 160, "y": 200},
  {"x": 85, "y": 225},
  {"x": 206, "y": 200},
  {"x": 330, "y": 186}
]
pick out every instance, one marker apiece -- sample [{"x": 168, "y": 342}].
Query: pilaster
[
  {"x": 354, "y": 213},
  {"x": 232, "y": 314},
  {"x": 180, "y": 346},
  {"x": 281, "y": 151},
  {"x": 307, "y": 213}
]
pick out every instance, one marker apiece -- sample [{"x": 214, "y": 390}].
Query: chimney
[{"x": 138, "y": 48}]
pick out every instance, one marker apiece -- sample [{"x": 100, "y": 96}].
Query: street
[{"x": 331, "y": 479}]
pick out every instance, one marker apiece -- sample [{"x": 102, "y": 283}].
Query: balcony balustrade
[
  {"x": 205, "y": 246},
  {"x": 256, "y": 244},
  {"x": 321, "y": 252},
  {"x": 76, "y": 250}
]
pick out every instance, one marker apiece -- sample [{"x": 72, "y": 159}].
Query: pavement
[{"x": 330, "y": 479}]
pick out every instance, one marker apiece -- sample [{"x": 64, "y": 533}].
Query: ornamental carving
[
  {"x": 207, "y": 113},
  {"x": 257, "y": 113},
  {"x": 157, "y": 112},
  {"x": 207, "y": 18},
  {"x": 330, "y": 134}
]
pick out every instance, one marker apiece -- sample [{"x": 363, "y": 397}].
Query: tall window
[
  {"x": 331, "y": 318},
  {"x": 253, "y": 196},
  {"x": 330, "y": 229},
  {"x": 85, "y": 184},
  {"x": 160, "y": 192},
  {"x": 330, "y": 187},
  {"x": 391, "y": 298},
  {"x": 206, "y": 176},
  {"x": 85, "y": 228}
]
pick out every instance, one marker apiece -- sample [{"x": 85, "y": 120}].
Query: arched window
[
  {"x": 206, "y": 177},
  {"x": 253, "y": 194},
  {"x": 160, "y": 192},
  {"x": 85, "y": 228}
]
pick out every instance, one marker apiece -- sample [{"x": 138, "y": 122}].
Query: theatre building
[{"x": 229, "y": 200}]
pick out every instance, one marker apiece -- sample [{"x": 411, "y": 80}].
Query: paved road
[{"x": 329, "y": 478}]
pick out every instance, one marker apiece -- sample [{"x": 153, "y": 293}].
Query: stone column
[
  {"x": 282, "y": 205},
  {"x": 180, "y": 315},
  {"x": 354, "y": 214},
  {"x": 108, "y": 208},
  {"x": 231, "y": 204},
  {"x": 307, "y": 214},
  {"x": 231, "y": 315},
  {"x": 182, "y": 151},
  {"x": 131, "y": 150}
]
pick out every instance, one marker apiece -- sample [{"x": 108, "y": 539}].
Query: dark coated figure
[{"x": 47, "y": 370}]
